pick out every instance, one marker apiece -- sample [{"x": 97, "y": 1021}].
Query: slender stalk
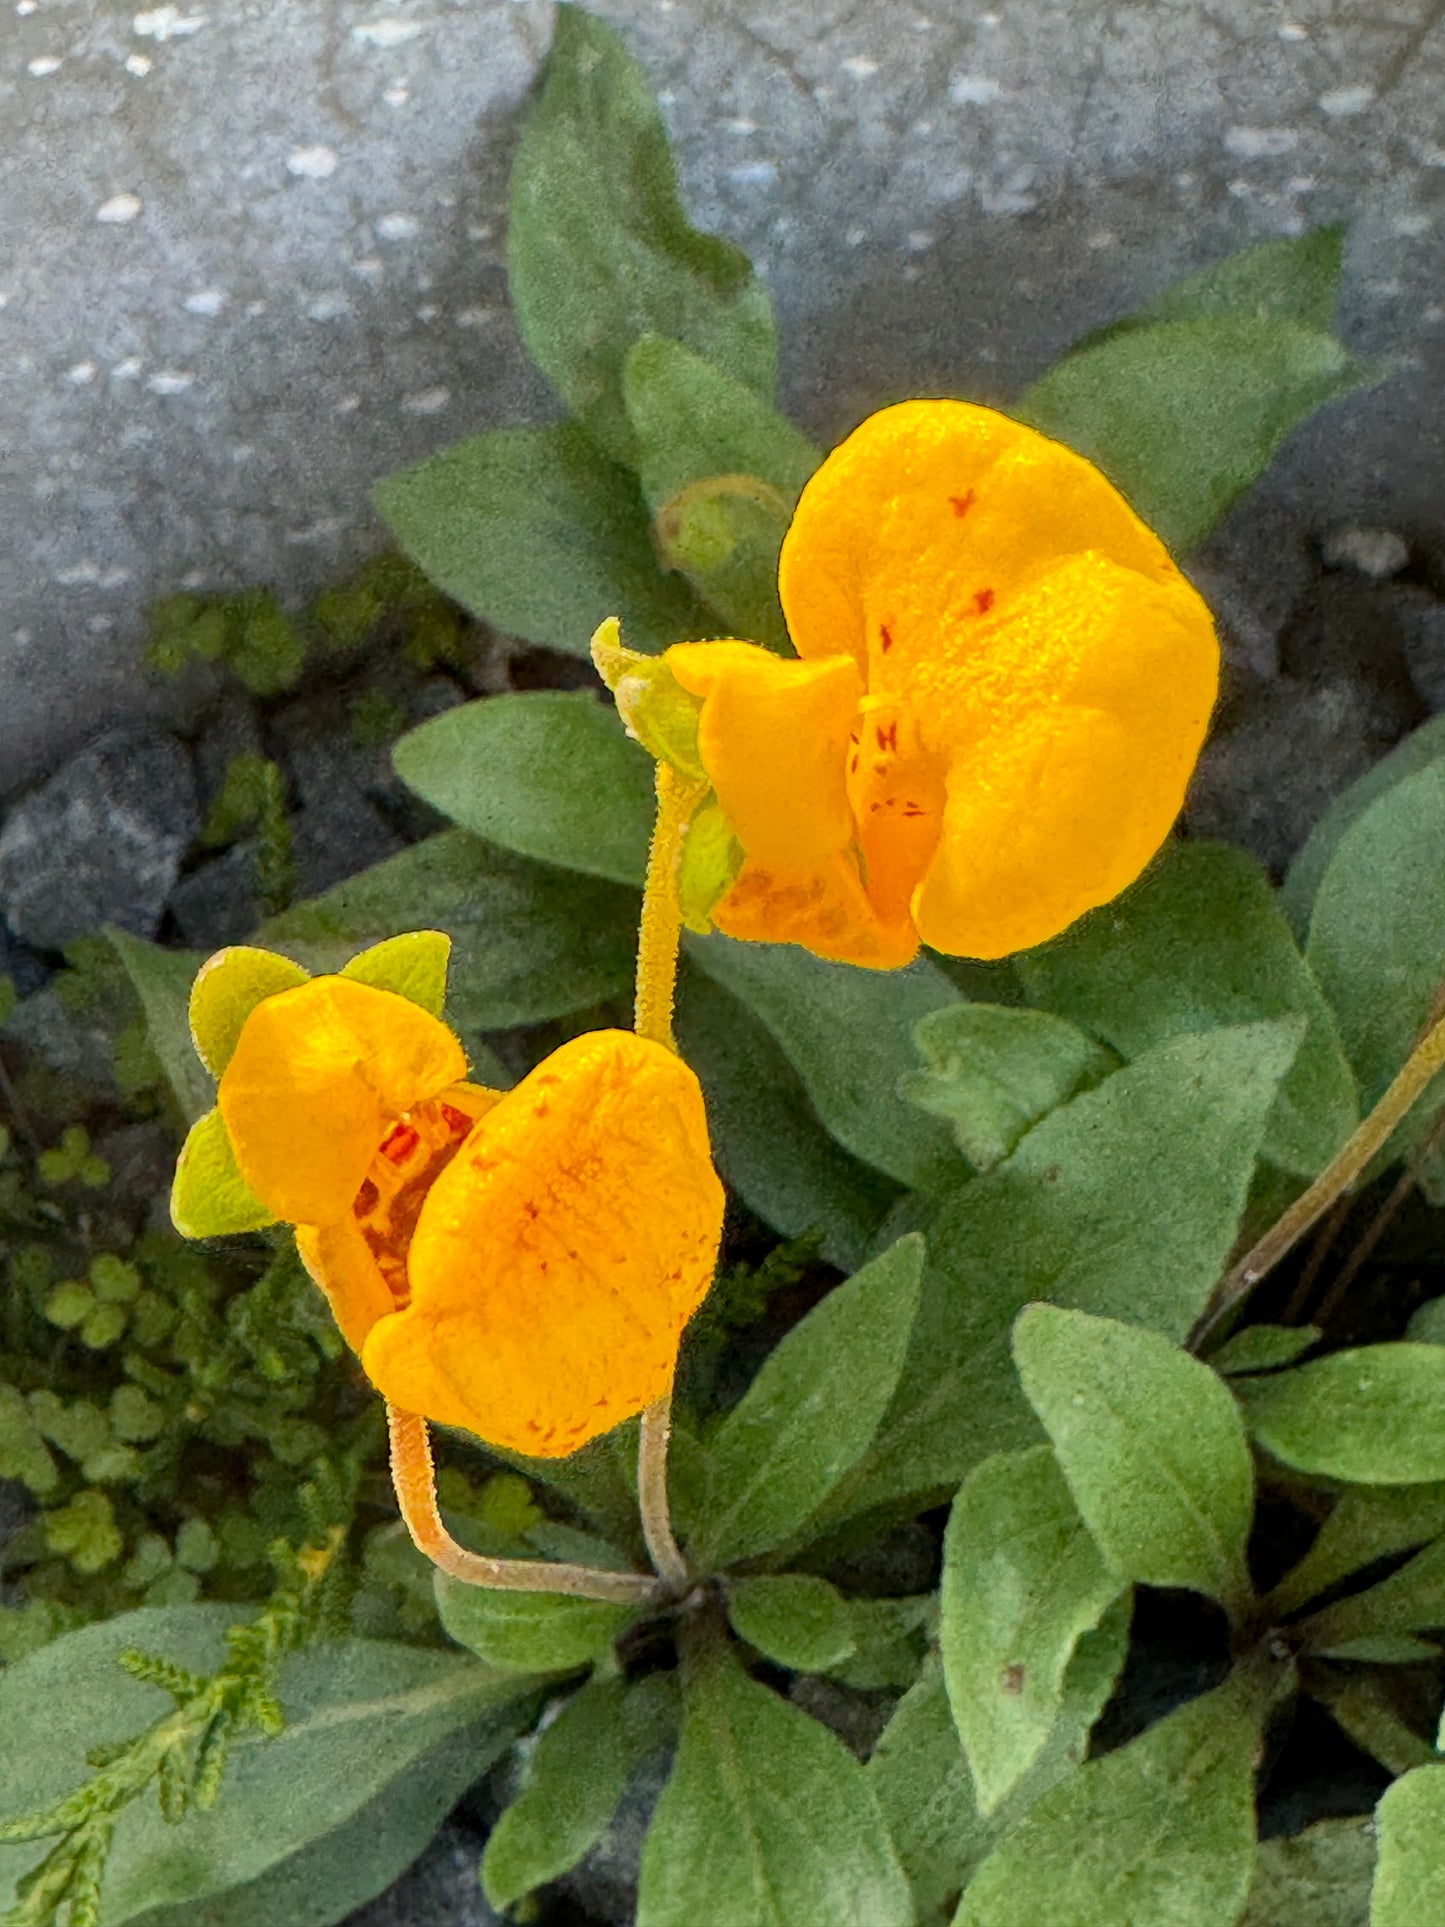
[
  {"x": 661, "y": 928},
  {"x": 413, "y": 1476},
  {"x": 1339, "y": 1174},
  {"x": 658, "y": 939},
  {"x": 662, "y": 1547}
]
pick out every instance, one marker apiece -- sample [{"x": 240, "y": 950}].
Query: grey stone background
[{"x": 251, "y": 255}]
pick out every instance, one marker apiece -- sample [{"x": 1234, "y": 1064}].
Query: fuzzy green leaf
[
  {"x": 1377, "y": 932},
  {"x": 812, "y": 1409},
  {"x": 209, "y": 1197},
  {"x": 1262, "y": 1348},
  {"x": 365, "y": 1722},
  {"x": 1318, "y": 1878},
  {"x": 549, "y": 774},
  {"x": 1411, "y": 1600},
  {"x": 1158, "y": 1833},
  {"x": 535, "y": 531},
  {"x": 1371, "y": 1416},
  {"x": 1022, "y": 1580},
  {"x": 529, "y": 1632},
  {"x": 227, "y": 988},
  {"x": 769, "y": 1142},
  {"x": 794, "y": 1619},
  {"x": 1152, "y": 1446},
  {"x": 162, "y": 980},
  {"x": 849, "y": 1035},
  {"x": 1294, "y": 280},
  {"x": 1368, "y": 1523},
  {"x": 1409, "y": 1888},
  {"x": 574, "y": 1780},
  {"x": 529, "y": 942},
  {"x": 1183, "y": 415},
  {"x": 795, "y": 1837},
  {"x": 993, "y": 1071},
  {"x": 1198, "y": 942},
  {"x": 599, "y": 250},
  {"x": 722, "y": 472},
  {"x": 1123, "y": 1202},
  {"x": 412, "y": 965}
]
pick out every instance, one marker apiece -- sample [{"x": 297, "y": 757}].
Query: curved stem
[
  {"x": 1339, "y": 1174},
  {"x": 652, "y": 1497},
  {"x": 661, "y": 928},
  {"x": 412, "y": 1475}
]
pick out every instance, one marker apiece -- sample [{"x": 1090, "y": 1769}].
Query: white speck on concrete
[
  {"x": 973, "y": 90},
  {"x": 127, "y": 370},
  {"x": 386, "y": 33},
  {"x": 254, "y": 308},
  {"x": 166, "y": 23},
  {"x": 171, "y": 381},
  {"x": 397, "y": 227},
  {"x": 22, "y": 638},
  {"x": 371, "y": 269},
  {"x": 859, "y": 67},
  {"x": 311, "y": 163},
  {"x": 320, "y": 530},
  {"x": 328, "y": 307},
  {"x": 1377, "y": 553},
  {"x": 911, "y": 272},
  {"x": 23, "y": 7},
  {"x": 1410, "y": 226},
  {"x": 754, "y": 174},
  {"x": 82, "y": 374},
  {"x": 1301, "y": 184},
  {"x": 242, "y": 452},
  {"x": 1341, "y": 102},
  {"x": 397, "y": 94},
  {"x": 348, "y": 405},
  {"x": 139, "y": 65},
  {"x": 431, "y": 401},
  {"x": 44, "y": 65},
  {"x": 740, "y": 127},
  {"x": 119, "y": 209},
  {"x": 920, "y": 240},
  {"x": 855, "y": 237},
  {"x": 1101, "y": 238},
  {"x": 1292, "y": 30},
  {"x": 194, "y": 579},
  {"x": 90, "y": 575},
  {"x": 475, "y": 317},
  {"x": 1260, "y": 143},
  {"x": 207, "y": 301},
  {"x": 428, "y": 311},
  {"x": 100, "y": 625}
]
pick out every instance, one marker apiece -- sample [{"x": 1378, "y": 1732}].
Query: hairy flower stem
[
  {"x": 413, "y": 1477},
  {"x": 657, "y": 944},
  {"x": 1339, "y": 1174}
]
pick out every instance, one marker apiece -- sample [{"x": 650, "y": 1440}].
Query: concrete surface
[{"x": 251, "y": 255}]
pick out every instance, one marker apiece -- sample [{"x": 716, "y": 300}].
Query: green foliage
[
  {"x": 1409, "y": 1885},
  {"x": 799, "y": 1837},
  {"x": 252, "y": 802},
  {"x": 250, "y": 634},
  {"x": 529, "y": 1632},
  {"x": 550, "y": 775},
  {"x": 538, "y": 532},
  {"x": 599, "y": 251},
  {"x": 1151, "y": 1445},
  {"x": 1371, "y": 1416},
  {"x": 1200, "y": 942},
  {"x": 575, "y": 1778},
  {"x": 794, "y": 1619},
  {"x": 1022, "y": 1581},
  {"x": 811, "y": 1411},
  {"x": 1160, "y": 1831},
  {"x": 1318, "y": 1878},
  {"x": 1184, "y": 405},
  {"x": 993, "y": 1071}
]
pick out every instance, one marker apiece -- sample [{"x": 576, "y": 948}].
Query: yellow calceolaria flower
[
  {"x": 1003, "y": 685},
  {"x": 518, "y": 1264}
]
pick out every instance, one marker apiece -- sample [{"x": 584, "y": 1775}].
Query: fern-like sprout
[{"x": 183, "y": 1754}]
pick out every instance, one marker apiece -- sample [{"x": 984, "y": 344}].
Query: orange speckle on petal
[
  {"x": 983, "y": 600},
  {"x": 961, "y": 504}
]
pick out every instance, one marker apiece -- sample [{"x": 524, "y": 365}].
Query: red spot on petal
[
  {"x": 399, "y": 1143},
  {"x": 887, "y": 738},
  {"x": 885, "y": 636},
  {"x": 456, "y": 1121},
  {"x": 853, "y": 766},
  {"x": 983, "y": 601},
  {"x": 961, "y": 504}
]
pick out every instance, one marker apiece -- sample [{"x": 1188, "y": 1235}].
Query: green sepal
[
  {"x": 709, "y": 865},
  {"x": 227, "y": 989},
  {"x": 209, "y": 1197},
  {"x": 653, "y": 705},
  {"x": 413, "y": 965}
]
